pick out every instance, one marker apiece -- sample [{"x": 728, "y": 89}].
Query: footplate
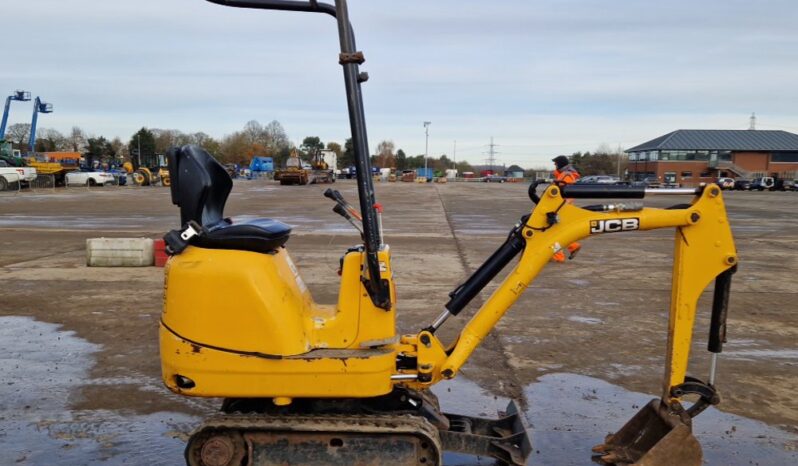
[{"x": 505, "y": 439}]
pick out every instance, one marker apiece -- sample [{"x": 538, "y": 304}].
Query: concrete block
[{"x": 119, "y": 252}]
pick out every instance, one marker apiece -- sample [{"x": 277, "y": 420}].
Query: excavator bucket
[{"x": 655, "y": 436}]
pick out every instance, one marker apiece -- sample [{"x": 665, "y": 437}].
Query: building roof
[{"x": 722, "y": 139}]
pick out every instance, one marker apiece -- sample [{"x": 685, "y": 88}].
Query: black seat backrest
[{"x": 199, "y": 185}]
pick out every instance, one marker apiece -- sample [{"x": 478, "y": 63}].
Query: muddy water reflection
[
  {"x": 570, "y": 413},
  {"x": 41, "y": 367}
]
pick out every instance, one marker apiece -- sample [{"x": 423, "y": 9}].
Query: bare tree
[
  {"x": 385, "y": 154},
  {"x": 276, "y": 138},
  {"x": 119, "y": 149},
  {"x": 18, "y": 133},
  {"x": 76, "y": 141},
  {"x": 254, "y": 132}
]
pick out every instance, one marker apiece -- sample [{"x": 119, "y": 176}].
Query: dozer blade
[
  {"x": 505, "y": 439},
  {"x": 655, "y": 436}
]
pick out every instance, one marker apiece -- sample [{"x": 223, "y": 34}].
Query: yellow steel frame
[
  {"x": 243, "y": 324},
  {"x": 703, "y": 248}
]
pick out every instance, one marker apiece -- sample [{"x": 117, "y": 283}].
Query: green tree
[
  {"x": 348, "y": 157},
  {"x": 97, "y": 149},
  {"x": 145, "y": 140},
  {"x": 311, "y": 146},
  {"x": 401, "y": 160},
  {"x": 464, "y": 166},
  {"x": 415, "y": 162}
]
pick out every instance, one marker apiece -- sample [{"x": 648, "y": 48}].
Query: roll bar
[{"x": 350, "y": 59}]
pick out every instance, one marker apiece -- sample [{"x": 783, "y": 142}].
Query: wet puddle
[
  {"x": 70, "y": 221},
  {"x": 42, "y": 365},
  {"x": 586, "y": 320},
  {"x": 570, "y": 413}
]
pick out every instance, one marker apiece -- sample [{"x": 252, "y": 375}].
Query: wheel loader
[{"x": 305, "y": 383}]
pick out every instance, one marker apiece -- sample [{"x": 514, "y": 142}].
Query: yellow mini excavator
[{"x": 316, "y": 384}]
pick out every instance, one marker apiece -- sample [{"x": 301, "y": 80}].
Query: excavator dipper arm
[{"x": 703, "y": 251}]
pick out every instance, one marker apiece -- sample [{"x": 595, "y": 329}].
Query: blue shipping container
[
  {"x": 262, "y": 164},
  {"x": 427, "y": 172}
]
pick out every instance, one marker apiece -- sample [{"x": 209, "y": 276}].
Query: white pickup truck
[
  {"x": 9, "y": 175},
  {"x": 89, "y": 178}
]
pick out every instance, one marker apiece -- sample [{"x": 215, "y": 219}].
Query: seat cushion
[{"x": 258, "y": 235}]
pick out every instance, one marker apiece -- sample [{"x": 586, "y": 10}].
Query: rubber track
[{"x": 329, "y": 423}]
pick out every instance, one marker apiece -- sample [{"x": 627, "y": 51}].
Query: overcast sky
[{"x": 541, "y": 77}]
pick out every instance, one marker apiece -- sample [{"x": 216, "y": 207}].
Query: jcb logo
[{"x": 614, "y": 225}]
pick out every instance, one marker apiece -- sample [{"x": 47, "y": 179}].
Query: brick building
[{"x": 689, "y": 157}]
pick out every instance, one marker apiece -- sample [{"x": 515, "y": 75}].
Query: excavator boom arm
[{"x": 703, "y": 250}]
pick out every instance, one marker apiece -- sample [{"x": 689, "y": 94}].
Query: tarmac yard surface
[{"x": 582, "y": 349}]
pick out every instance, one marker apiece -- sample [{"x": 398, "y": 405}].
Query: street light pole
[
  {"x": 426, "y": 145},
  {"x": 138, "y": 137}
]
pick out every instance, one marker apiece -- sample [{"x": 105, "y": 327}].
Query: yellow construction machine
[
  {"x": 313, "y": 384},
  {"x": 296, "y": 171},
  {"x": 144, "y": 175}
]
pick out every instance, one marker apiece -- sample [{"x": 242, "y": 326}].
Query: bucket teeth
[
  {"x": 601, "y": 448},
  {"x": 658, "y": 435}
]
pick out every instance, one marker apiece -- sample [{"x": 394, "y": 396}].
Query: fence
[{"x": 42, "y": 182}]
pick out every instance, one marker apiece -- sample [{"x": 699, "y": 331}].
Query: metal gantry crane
[
  {"x": 22, "y": 96},
  {"x": 38, "y": 107}
]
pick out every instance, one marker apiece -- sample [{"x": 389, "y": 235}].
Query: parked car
[
  {"x": 741, "y": 184},
  {"x": 763, "y": 183},
  {"x": 726, "y": 183},
  {"x": 789, "y": 185},
  {"x": 494, "y": 179},
  {"x": 599, "y": 179},
  {"x": 648, "y": 182},
  {"x": 89, "y": 178}
]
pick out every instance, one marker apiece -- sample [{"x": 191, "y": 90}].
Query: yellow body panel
[
  {"x": 243, "y": 324},
  {"x": 238, "y": 300},
  {"x": 318, "y": 373}
]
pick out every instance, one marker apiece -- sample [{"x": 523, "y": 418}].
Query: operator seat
[{"x": 200, "y": 186}]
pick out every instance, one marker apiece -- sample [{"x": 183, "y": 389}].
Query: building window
[
  {"x": 706, "y": 174},
  {"x": 687, "y": 174},
  {"x": 725, "y": 155},
  {"x": 784, "y": 157}
]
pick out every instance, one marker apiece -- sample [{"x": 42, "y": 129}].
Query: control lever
[
  {"x": 340, "y": 210},
  {"x": 338, "y": 198}
]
